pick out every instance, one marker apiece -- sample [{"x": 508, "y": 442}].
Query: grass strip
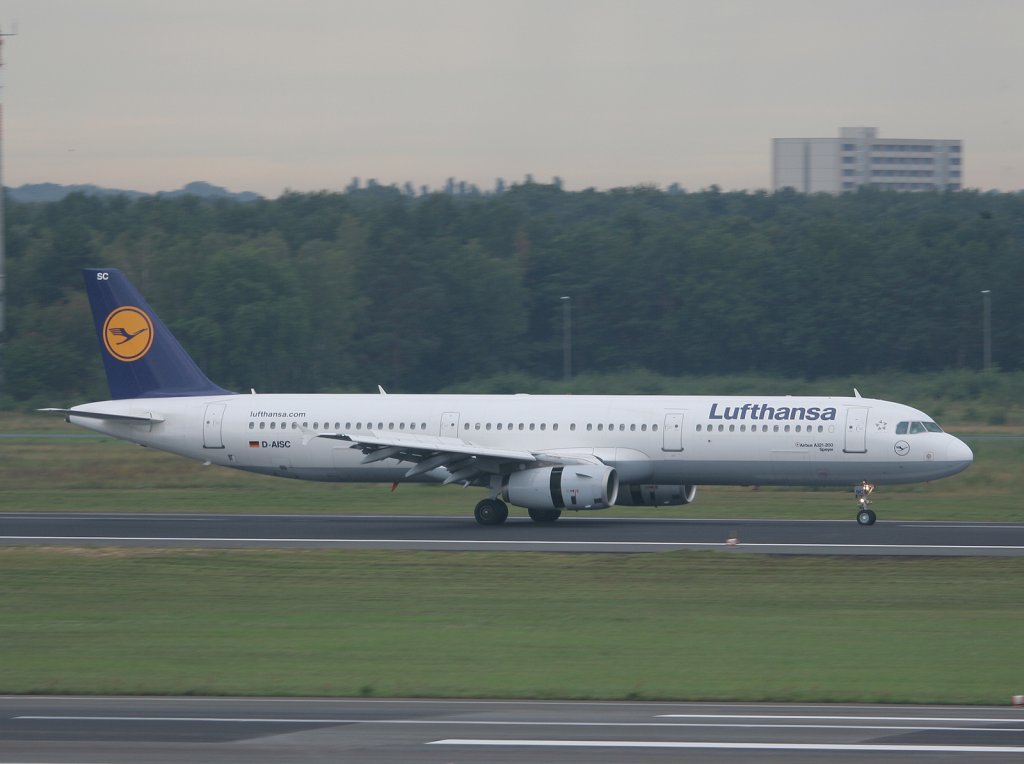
[
  {"x": 679, "y": 625},
  {"x": 111, "y": 476}
]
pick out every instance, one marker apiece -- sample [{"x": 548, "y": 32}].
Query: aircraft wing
[{"x": 464, "y": 461}]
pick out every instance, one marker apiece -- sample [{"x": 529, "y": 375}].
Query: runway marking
[
  {"x": 501, "y": 723},
  {"x": 510, "y": 542},
  {"x": 841, "y": 718},
  {"x": 735, "y": 746}
]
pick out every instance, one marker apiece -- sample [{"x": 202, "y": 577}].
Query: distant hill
[{"x": 53, "y": 192}]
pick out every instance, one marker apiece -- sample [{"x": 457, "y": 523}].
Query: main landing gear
[
  {"x": 545, "y": 515},
  {"x": 495, "y": 512},
  {"x": 491, "y": 512}
]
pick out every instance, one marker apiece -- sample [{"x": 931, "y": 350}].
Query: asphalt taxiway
[
  {"x": 583, "y": 533},
  {"x": 65, "y": 730}
]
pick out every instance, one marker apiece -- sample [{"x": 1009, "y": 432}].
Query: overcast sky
[{"x": 306, "y": 94}]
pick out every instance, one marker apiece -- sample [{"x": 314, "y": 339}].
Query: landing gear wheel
[
  {"x": 866, "y": 517},
  {"x": 545, "y": 515},
  {"x": 491, "y": 512}
]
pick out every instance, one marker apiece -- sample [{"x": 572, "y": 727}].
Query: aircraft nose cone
[{"x": 959, "y": 454}]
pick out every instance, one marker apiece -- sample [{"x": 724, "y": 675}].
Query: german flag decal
[{"x": 254, "y": 444}]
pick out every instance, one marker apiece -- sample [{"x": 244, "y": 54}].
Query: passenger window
[
  {"x": 263, "y": 425},
  {"x": 698, "y": 428},
  {"x": 632, "y": 428},
  {"x": 554, "y": 426},
  {"x": 572, "y": 427},
  {"x": 252, "y": 425},
  {"x": 273, "y": 425},
  {"x": 600, "y": 428},
  {"x": 654, "y": 428},
  {"x": 543, "y": 426},
  {"x": 643, "y": 428},
  {"x": 901, "y": 428}
]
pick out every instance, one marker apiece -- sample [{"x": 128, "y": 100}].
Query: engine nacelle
[
  {"x": 574, "y": 486},
  {"x": 644, "y": 495}
]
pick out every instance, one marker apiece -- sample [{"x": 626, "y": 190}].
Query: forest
[{"x": 323, "y": 292}]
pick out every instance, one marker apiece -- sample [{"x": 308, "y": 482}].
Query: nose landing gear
[{"x": 865, "y": 515}]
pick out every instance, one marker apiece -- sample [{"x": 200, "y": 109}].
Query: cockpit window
[{"x": 916, "y": 427}]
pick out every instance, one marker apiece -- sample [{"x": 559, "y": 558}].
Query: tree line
[{"x": 345, "y": 291}]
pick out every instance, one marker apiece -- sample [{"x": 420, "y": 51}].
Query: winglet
[{"x": 141, "y": 357}]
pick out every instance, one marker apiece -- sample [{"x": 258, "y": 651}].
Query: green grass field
[
  {"x": 661, "y": 626},
  {"x": 42, "y": 472}
]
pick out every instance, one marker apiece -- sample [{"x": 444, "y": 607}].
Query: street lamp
[
  {"x": 566, "y": 338},
  {"x": 986, "y": 328}
]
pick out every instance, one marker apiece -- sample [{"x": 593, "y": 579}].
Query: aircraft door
[
  {"x": 856, "y": 430},
  {"x": 213, "y": 420},
  {"x": 672, "y": 435},
  {"x": 450, "y": 424}
]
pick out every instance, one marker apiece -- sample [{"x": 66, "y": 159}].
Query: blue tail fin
[{"x": 140, "y": 355}]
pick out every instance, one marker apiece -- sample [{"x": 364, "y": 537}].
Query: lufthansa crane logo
[{"x": 128, "y": 333}]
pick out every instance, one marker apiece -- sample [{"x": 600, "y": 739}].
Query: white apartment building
[{"x": 858, "y": 157}]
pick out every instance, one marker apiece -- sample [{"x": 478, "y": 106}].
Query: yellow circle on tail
[{"x": 128, "y": 333}]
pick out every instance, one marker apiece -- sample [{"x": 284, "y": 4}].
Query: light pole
[
  {"x": 566, "y": 338},
  {"x": 3, "y": 277},
  {"x": 986, "y": 328}
]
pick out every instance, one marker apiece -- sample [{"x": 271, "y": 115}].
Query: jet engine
[
  {"x": 573, "y": 486},
  {"x": 642, "y": 495}
]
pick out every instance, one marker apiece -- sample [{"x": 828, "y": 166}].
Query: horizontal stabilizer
[{"x": 149, "y": 419}]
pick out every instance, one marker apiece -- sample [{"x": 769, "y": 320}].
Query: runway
[
  {"x": 584, "y": 533},
  {"x": 62, "y": 730}
]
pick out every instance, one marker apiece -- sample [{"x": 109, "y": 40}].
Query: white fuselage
[{"x": 672, "y": 440}]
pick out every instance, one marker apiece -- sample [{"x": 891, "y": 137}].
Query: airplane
[{"x": 545, "y": 453}]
